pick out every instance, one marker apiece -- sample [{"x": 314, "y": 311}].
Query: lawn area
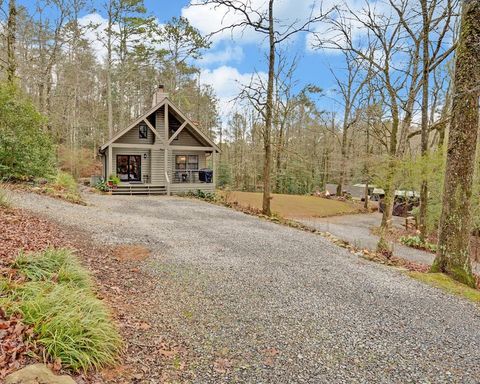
[{"x": 295, "y": 206}]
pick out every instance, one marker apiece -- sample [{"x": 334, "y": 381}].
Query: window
[
  {"x": 129, "y": 167},
  {"x": 143, "y": 131},
  {"x": 180, "y": 162},
  {"x": 186, "y": 169},
  {"x": 192, "y": 162},
  {"x": 189, "y": 162}
]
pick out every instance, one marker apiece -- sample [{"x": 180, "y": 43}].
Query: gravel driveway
[
  {"x": 257, "y": 302},
  {"x": 357, "y": 230}
]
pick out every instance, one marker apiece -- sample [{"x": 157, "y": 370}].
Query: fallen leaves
[
  {"x": 21, "y": 231},
  {"x": 13, "y": 349},
  {"x": 131, "y": 252},
  {"x": 270, "y": 355},
  {"x": 222, "y": 365}
]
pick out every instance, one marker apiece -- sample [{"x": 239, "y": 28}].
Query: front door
[{"x": 129, "y": 167}]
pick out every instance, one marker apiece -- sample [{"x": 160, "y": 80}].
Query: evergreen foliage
[{"x": 26, "y": 149}]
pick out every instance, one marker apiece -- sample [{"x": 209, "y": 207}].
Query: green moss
[
  {"x": 448, "y": 284},
  {"x": 463, "y": 276},
  {"x": 457, "y": 273}
]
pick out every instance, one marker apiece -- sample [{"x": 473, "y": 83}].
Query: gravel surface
[
  {"x": 356, "y": 229},
  {"x": 256, "y": 302}
]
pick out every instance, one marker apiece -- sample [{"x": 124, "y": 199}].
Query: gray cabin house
[{"x": 161, "y": 152}]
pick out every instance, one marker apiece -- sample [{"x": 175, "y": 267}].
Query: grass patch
[
  {"x": 442, "y": 281},
  {"x": 58, "y": 301},
  {"x": 5, "y": 202},
  {"x": 60, "y": 186},
  {"x": 65, "y": 187},
  {"x": 294, "y": 206},
  {"x": 53, "y": 264}
]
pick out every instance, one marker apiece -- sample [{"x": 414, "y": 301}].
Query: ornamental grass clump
[{"x": 69, "y": 322}]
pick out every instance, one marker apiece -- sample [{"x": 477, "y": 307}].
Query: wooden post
[
  {"x": 214, "y": 166},
  {"x": 167, "y": 178},
  {"x": 150, "y": 155},
  {"x": 110, "y": 161},
  {"x": 166, "y": 122}
]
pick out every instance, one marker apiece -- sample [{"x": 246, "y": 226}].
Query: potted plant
[{"x": 113, "y": 181}]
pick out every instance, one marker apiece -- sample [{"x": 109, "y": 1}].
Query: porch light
[{"x": 144, "y": 155}]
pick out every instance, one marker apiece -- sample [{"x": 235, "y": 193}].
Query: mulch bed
[
  {"x": 147, "y": 356},
  {"x": 13, "y": 348},
  {"x": 20, "y": 232}
]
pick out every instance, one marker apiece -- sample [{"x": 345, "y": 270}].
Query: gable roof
[{"x": 154, "y": 109}]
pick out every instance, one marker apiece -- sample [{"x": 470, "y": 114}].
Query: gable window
[{"x": 142, "y": 131}]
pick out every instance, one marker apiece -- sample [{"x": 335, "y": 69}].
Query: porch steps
[{"x": 139, "y": 189}]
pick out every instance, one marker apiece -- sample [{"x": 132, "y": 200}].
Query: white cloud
[
  {"x": 231, "y": 53},
  {"x": 328, "y": 36},
  {"x": 226, "y": 82},
  {"x": 95, "y": 26},
  {"x": 209, "y": 18}
]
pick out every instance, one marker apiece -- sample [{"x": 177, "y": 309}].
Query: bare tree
[
  {"x": 389, "y": 38},
  {"x": 11, "y": 35},
  {"x": 263, "y": 21},
  {"x": 350, "y": 90},
  {"x": 453, "y": 255}
]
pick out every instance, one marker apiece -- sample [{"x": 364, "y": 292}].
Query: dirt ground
[{"x": 295, "y": 206}]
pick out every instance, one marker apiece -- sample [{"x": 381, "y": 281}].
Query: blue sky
[{"x": 232, "y": 61}]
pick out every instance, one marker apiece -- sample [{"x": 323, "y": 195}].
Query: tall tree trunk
[
  {"x": 389, "y": 186},
  {"x": 11, "y": 34},
  {"x": 343, "y": 161},
  {"x": 269, "y": 115},
  {"x": 278, "y": 162},
  {"x": 109, "y": 70},
  {"x": 453, "y": 256},
  {"x": 424, "y": 128},
  {"x": 367, "y": 170}
]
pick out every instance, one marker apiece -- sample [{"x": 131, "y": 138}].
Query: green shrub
[
  {"x": 26, "y": 149},
  {"x": 115, "y": 180},
  {"x": 68, "y": 321},
  {"x": 224, "y": 175},
  {"x": 199, "y": 194},
  {"x": 416, "y": 242},
  {"x": 102, "y": 186},
  {"x": 65, "y": 181}
]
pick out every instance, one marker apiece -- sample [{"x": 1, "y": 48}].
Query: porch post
[
  {"x": 110, "y": 161},
  {"x": 214, "y": 166},
  {"x": 166, "y": 123},
  {"x": 167, "y": 168}
]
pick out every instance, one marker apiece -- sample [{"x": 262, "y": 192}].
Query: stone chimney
[{"x": 159, "y": 95}]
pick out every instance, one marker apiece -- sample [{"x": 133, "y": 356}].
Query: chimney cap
[{"x": 161, "y": 86}]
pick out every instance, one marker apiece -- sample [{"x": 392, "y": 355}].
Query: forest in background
[
  {"x": 84, "y": 97},
  {"x": 394, "y": 94}
]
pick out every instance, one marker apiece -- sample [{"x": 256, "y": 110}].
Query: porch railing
[{"x": 187, "y": 176}]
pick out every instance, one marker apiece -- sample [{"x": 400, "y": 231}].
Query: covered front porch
[{"x": 158, "y": 169}]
